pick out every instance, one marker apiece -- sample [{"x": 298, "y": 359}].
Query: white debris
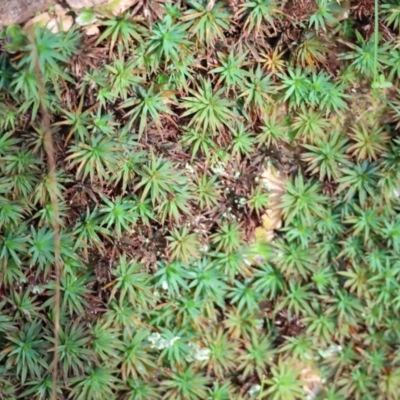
[
  {"x": 198, "y": 353},
  {"x": 218, "y": 170},
  {"x": 190, "y": 169},
  {"x": 38, "y": 289},
  {"x": 159, "y": 343},
  {"x": 330, "y": 351},
  {"x": 254, "y": 389},
  {"x": 260, "y": 324}
]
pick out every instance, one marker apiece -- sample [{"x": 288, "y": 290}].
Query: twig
[{"x": 48, "y": 143}]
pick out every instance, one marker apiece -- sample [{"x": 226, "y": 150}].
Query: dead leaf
[
  {"x": 91, "y": 30},
  {"x": 210, "y": 5},
  {"x": 344, "y": 10},
  {"x": 274, "y": 181},
  {"x": 78, "y": 4},
  {"x": 116, "y": 7},
  {"x": 262, "y": 235},
  {"x": 272, "y": 219},
  {"x": 57, "y": 21},
  {"x": 311, "y": 377}
]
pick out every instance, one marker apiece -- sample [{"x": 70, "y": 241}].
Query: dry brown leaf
[
  {"x": 116, "y": 7},
  {"x": 272, "y": 219},
  {"x": 210, "y": 4},
  {"x": 91, "y": 30},
  {"x": 78, "y": 4},
  {"x": 274, "y": 181},
  {"x": 344, "y": 10},
  {"x": 311, "y": 377},
  {"x": 262, "y": 235},
  {"x": 57, "y": 21}
]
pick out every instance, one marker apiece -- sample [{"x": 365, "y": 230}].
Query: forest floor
[{"x": 199, "y": 199}]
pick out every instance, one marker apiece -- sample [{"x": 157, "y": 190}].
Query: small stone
[{"x": 19, "y": 11}]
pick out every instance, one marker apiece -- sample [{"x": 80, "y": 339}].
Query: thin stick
[
  {"x": 376, "y": 39},
  {"x": 51, "y": 165}
]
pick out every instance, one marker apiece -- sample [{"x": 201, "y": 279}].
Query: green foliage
[
  {"x": 207, "y": 191},
  {"x": 324, "y": 14},
  {"x": 391, "y": 10},
  {"x": 258, "y": 200},
  {"x": 207, "y": 282},
  {"x": 26, "y": 351},
  {"x": 183, "y": 245},
  {"x": 228, "y": 237},
  {"x": 273, "y": 131},
  {"x": 363, "y": 56},
  {"x": 168, "y": 40},
  {"x": 73, "y": 291},
  {"x": 122, "y": 77},
  {"x": 258, "y": 354},
  {"x": 94, "y": 159},
  {"x": 327, "y": 156},
  {"x": 259, "y": 15},
  {"x": 119, "y": 214},
  {"x": 223, "y": 352},
  {"x": 211, "y": 110},
  {"x": 310, "y": 125},
  {"x": 302, "y": 200},
  {"x": 231, "y": 72},
  {"x": 227, "y": 186},
  {"x": 47, "y": 50},
  {"x": 360, "y": 179},
  {"x": 187, "y": 384},
  {"x": 257, "y": 90},
  {"x": 312, "y": 51},
  {"x": 242, "y": 142},
  {"x": 296, "y": 86},
  {"x": 95, "y": 383},
  {"x": 171, "y": 277},
  {"x": 135, "y": 357},
  {"x": 159, "y": 179},
  {"x": 73, "y": 352},
  {"x": 284, "y": 382},
  {"x": 369, "y": 143},
  {"x": 131, "y": 283},
  {"x": 121, "y": 29},
  {"x": 147, "y": 103},
  {"x": 207, "y": 24}
]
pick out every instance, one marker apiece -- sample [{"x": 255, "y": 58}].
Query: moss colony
[{"x": 227, "y": 197}]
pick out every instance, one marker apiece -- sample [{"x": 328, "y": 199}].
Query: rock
[{"x": 19, "y": 11}]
